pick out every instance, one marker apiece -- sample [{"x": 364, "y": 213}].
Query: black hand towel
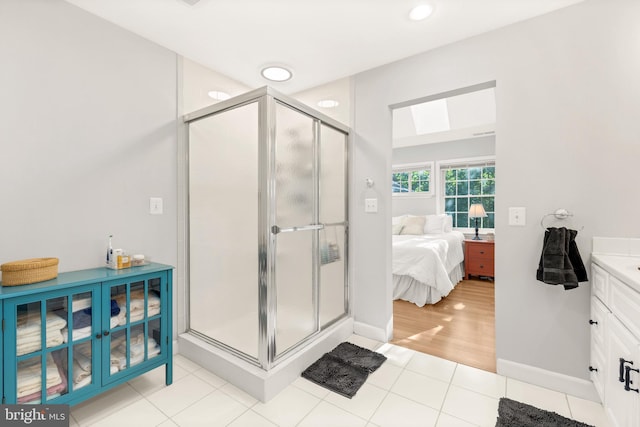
[{"x": 560, "y": 262}]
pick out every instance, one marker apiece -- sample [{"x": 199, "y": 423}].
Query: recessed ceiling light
[
  {"x": 328, "y": 103},
  {"x": 218, "y": 95},
  {"x": 276, "y": 74},
  {"x": 421, "y": 12}
]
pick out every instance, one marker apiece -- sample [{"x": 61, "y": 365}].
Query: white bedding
[{"x": 424, "y": 265}]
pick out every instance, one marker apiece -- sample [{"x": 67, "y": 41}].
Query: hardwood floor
[{"x": 460, "y": 327}]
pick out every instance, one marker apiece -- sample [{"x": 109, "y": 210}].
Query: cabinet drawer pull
[
  {"x": 481, "y": 252},
  {"x": 621, "y": 373},
  {"x": 98, "y": 336},
  {"x": 106, "y": 333},
  {"x": 592, "y": 369},
  {"x": 593, "y": 322},
  {"x": 627, "y": 379}
]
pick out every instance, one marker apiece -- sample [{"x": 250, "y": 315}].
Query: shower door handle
[{"x": 276, "y": 230}]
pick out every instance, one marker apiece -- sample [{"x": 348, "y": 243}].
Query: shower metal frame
[{"x": 267, "y": 98}]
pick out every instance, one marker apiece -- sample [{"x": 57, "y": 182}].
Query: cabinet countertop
[
  {"x": 79, "y": 277},
  {"x": 625, "y": 268}
]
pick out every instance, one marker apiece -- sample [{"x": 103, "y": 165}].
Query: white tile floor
[{"x": 409, "y": 389}]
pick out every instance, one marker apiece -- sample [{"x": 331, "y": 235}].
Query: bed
[{"x": 427, "y": 259}]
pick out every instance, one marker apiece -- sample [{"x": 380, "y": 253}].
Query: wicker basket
[{"x": 29, "y": 271}]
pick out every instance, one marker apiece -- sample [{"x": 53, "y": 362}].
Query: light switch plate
[
  {"x": 517, "y": 216},
  {"x": 155, "y": 205},
  {"x": 371, "y": 205}
]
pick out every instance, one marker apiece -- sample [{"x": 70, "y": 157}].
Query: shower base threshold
[{"x": 262, "y": 385}]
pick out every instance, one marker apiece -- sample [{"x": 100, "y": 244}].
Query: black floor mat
[
  {"x": 358, "y": 356},
  {"x": 344, "y": 369},
  {"x": 512, "y": 413}
]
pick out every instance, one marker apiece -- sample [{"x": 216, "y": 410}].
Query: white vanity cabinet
[{"x": 615, "y": 342}]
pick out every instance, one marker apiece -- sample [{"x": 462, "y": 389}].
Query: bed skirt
[{"x": 409, "y": 289}]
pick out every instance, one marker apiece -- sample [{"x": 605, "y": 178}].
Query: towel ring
[{"x": 559, "y": 214}]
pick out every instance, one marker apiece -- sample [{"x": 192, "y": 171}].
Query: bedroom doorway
[{"x": 443, "y": 157}]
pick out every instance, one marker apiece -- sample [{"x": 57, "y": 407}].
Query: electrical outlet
[
  {"x": 155, "y": 205},
  {"x": 371, "y": 205}
]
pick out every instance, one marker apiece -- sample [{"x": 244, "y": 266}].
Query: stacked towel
[
  {"x": 136, "y": 306},
  {"x": 28, "y": 333},
  {"x": 81, "y": 320},
  {"x": 79, "y": 302},
  {"x": 29, "y": 380},
  {"x": 560, "y": 262},
  {"x": 81, "y": 373},
  {"x": 136, "y": 351}
]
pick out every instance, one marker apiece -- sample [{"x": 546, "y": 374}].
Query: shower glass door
[
  {"x": 309, "y": 226},
  {"x": 295, "y": 235}
]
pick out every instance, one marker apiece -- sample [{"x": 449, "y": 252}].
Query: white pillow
[
  {"x": 413, "y": 225},
  {"x": 434, "y": 224},
  {"x": 398, "y": 219},
  {"x": 396, "y": 228},
  {"x": 448, "y": 223}
]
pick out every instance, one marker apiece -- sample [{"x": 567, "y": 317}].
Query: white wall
[
  {"x": 567, "y": 98},
  {"x": 88, "y": 134},
  {"x": 197, "y": 80}
]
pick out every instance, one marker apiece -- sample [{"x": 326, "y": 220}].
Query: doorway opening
[{"x": 443, "y": 205}]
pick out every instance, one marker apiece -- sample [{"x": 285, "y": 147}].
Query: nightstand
[{"x": 478, "y": 258}]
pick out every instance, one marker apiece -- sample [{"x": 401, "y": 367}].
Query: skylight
[{"x": 456, "y": 117}]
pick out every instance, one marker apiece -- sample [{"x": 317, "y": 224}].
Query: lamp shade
[{"x": 477, "y": 211}]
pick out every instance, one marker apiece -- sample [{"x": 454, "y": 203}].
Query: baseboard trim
[
  {"x": 552, "y": 380},
  {"x": 371, "y": 332}
]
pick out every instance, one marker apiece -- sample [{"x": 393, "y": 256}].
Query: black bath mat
[
  {"x": 358, "y": 356},
  {"x": 517, "y": 414},
  {"x": 344, "y": 369}
]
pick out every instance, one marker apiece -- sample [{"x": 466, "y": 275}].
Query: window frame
[
  {"x": 413, "y": 167},
  {"x": 442, "y": 166}
]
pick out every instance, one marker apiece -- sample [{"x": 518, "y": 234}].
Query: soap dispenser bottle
[{"x": 110, "y": 252}]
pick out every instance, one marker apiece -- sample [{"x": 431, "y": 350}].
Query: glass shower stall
[{"x": 267, "y": 225}]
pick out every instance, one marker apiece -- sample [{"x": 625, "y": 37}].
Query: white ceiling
[
  {"x": 463, "y": 116},
  {"x": 319, "y": 40}
]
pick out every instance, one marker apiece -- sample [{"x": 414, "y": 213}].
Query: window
[
  {"x": 412, "y": 179},
  {"x": 466, "y": 184}
]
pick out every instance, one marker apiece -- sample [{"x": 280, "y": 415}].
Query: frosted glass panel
[
  {"x": 294, "y": 278},
  {"x": 294, "y": 168},
  {"x": 332, "y": 175},
  {"x": 332, "y": 274},
  {"x": 295, "y": 192},
  {"x": 223, "y": 227},
  {"x": 332, "y": 210}
]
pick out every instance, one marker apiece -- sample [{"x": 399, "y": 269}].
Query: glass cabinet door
[
  {"x": 52, "y": 352},
  {"x": 135, "y": 325}
]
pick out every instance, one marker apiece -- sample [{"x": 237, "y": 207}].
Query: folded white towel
[
  {"x": 80, "y": 374},
  {"x": 136, "y": 306},
  {"x": 80, "y": 302},
  {"x": 30, "y": 375},
  {"x": 29, "y": 323},
  {"x": 82, "y": 358},
  {"x": 32, "y": 342}
]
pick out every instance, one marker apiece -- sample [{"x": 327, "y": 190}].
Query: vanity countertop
[{"x": 623, "y": 267}]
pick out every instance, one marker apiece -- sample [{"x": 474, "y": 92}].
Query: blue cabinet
[{"x": 70, "y": 338}]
